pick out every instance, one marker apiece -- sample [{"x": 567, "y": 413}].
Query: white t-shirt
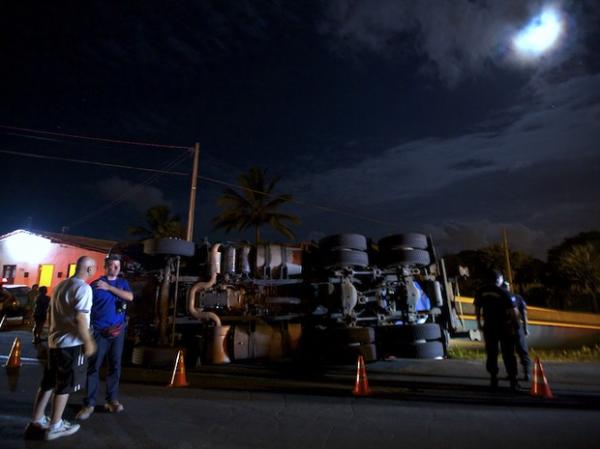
[{"x": 70, "y": 297}]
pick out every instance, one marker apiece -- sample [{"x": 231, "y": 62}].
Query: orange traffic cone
[
  {"x": 361, "y": 387},
  {"x": 14, "y": 357},
  {"x": 178, "y": 379},
  {"x": 540, "y": 386}
]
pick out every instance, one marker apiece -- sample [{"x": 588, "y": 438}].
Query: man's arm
[
  {"x": 478, "y": 315},
  {"x": 524, "y": 316},
  {"x": 83, "y": 330},
  {"x": 123, "y": 294}
]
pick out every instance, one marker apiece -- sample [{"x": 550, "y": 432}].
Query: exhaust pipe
[{"x": 217, "y": 352}]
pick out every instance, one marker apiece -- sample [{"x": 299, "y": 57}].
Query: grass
[{"x": 583, "y": 354}]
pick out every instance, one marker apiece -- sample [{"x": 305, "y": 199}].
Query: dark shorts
[{"x": 65, "y": 371}]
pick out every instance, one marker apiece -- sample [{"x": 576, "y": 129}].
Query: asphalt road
[{"x": 416, "y": 404}]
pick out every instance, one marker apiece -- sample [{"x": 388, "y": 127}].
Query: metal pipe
[
  {"x": 199, "y": 287},
  {"x": 178, "y": 258}
]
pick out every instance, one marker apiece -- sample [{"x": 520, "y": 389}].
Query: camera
[{"x": 120, "y": 306}]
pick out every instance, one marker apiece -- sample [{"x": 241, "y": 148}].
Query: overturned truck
[{"x": 346, "y": 296}]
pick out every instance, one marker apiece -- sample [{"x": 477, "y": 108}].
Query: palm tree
[
  {"x": 160, "y": 224},
  {"x": 255, "y": 206}
]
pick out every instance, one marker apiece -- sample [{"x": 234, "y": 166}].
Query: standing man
[
  {"x": 40, "y": 310},
  {"x": 31, "y": 297},
  {"x": 522, "y": 331},
  {"x": 111, "y": 295},
  {"x": 69, "y": 340},
  {"x": 496, "y": 317}
]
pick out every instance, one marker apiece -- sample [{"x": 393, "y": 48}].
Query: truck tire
[
  {"x": 369, "y": 353},
  {"x": 406, "y": 257},
  {"x": 410, "y": 333},
  {"x": 351, "y": 335},
  {"x": 410, "y": 240},
  {"x": 348, "y": 354},
  {"x": 345, "y": 258},
  {"x": 346, "y": 241},
  {"x": 426, "y": 350},
  {"x": 169, "y": 246}
]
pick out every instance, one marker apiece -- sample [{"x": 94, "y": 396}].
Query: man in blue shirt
[
  {"x": 111, "y": 295},
  {"x": 497, "y": 318},
  {"x": 522, "y": 331}
]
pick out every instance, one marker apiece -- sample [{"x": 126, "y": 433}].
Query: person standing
[
  {"x": 69, "y": 343},
  {"x": 522, "y": 331},
  {"x": 111, "y": 294},
  {"x": 31, "y": 298},
  {"x": 40, "y": 310},
  {"x": 496, "y": 317}
]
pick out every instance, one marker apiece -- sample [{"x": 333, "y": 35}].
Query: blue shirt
[
  {"x": 423, "y": 303},
  {"x": 519, "y": 303},
  {"x": 104, "y": 306}
]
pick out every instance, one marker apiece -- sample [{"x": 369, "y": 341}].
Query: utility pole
[
  {"x": 193, "y": 188},
  {"x": 507, "y": 262}
]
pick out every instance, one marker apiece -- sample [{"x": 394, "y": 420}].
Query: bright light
[
  {"x": 23, "y": 246},
  {"x": 540, "y": 35}
]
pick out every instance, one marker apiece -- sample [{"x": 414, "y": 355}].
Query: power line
[
  {"x": 121, "y": 198},
  {"x": 300, "y": 203},
  {"x": 96, "y": 139},
  {"x": 204, "y": 178},
  {"x": 88, "y": 162}
]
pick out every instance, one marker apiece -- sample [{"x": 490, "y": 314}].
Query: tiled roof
[{"x": 67, "y": 239}]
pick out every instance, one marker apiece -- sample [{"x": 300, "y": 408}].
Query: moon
[{"x": 540, "y": 35}]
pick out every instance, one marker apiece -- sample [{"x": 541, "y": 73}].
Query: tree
[
  {"x": 160, "y": 224},
  {"x": 255, "y": 206},
  {"x": 526, "y": 270},
  {"x": 575, "y": 271}
]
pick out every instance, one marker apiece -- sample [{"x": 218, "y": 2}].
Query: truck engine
[{"x": 332, "y": 301}]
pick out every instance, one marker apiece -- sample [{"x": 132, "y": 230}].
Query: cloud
[
  {"x": 538, "y": 171},
  {"x": 453, "y": 237},
  {"x": 457, "y": 39},
  {"x": 138, "y": 196},
  {"x": 471, "y": 164}
]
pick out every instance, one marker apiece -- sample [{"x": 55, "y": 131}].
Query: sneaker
[
  {"x": 64, "y": 429},
  {"x": 85, "y": 412},
  {"x": 37, "y": 430},
  {"x": 113, "y": 407},
  {"x": 514, "y": 385},
  {"x": 44, "y": 422}
]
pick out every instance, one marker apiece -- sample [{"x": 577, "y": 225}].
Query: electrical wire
[
  {"x": 88, "y": 162},
  {"x": 207, "y": 179},
  {"x": 129, "y": 193},
  {"x": 96, "y": 139}
]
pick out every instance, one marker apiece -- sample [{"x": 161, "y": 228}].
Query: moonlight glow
[{"x": 540, "y": 35}]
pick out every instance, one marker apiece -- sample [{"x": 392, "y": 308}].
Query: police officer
[
  {"x": 522, "y": 331},
  {"x": 497, "y": 319}
]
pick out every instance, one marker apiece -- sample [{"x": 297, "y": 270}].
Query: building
[{"x": 46, "y": 258}]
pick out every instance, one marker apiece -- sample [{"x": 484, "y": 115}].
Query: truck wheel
[
  {"x": 426, "y": 350},
  {"x": 347, "y": 241},
  {"x": 345, "y": 258},
  {"x": 348, "y": 354},
  {"x": 409, "y": 333},
  {"x": 404, "y": 257},
  {"x": 169, "y": 246},
  {"x": 369, "y": 353},
  {"x": 351, "y": 335},
  {"x": 409, "y": 240}
]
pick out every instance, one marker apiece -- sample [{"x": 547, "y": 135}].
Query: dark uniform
[
  {"x": 499, "y": 327},
  {"x": 521, "y": 343}
]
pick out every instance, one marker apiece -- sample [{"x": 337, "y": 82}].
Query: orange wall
[{"x": 58, "y": 255}]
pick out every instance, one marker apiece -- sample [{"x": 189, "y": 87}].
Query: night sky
[{"x": 398, "y": 115}]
